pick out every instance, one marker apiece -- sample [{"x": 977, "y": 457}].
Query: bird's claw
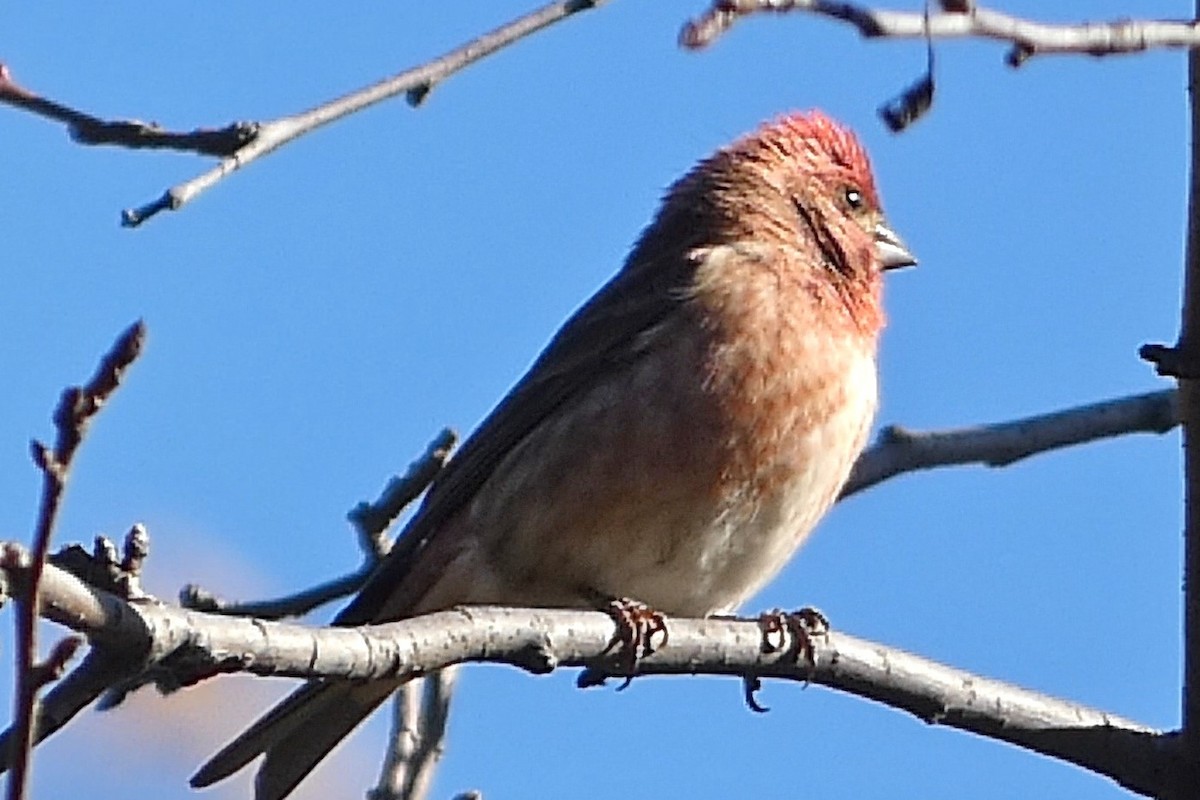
[
  {"x": 750, "y": 686},
  {"x": 793, "y": 632},
  {"x": 634, "y": 638}
]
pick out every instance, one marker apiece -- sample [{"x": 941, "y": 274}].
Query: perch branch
[{"x": 541, "y": 640}]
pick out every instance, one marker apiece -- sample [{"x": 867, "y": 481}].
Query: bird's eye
[{"x": 854, "y": 198}]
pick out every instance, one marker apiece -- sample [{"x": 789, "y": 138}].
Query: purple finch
[{"x": 676, "y": 441}]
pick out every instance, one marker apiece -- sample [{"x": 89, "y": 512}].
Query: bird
[{"x": 675, "y": 442}]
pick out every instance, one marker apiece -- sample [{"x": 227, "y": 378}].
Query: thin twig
[
  {"x": 100, "y": 669},
  {"x": 373, "y": 520},
  {"x": 899, "y": 450},
  {"x": 435, "y": 713},
  {"x": 1028, "y": 38},
  {"x": 417, "y": 742},
  {"x": 415, "y": 84},
  {"x": 293, "y": 605},
  {"x": 87, "y": 129},
  {"x": 402, "y": 742},
  {"x": 76, "y": 408},
  {"x": 56, "y": 663}
]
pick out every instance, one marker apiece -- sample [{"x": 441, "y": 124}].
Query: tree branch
[
  {"x": 76, "y": 408},
  {"x": 415, "y": 84},
  {"x": 199, "y": 645},
  {"x": 100, "y": 670},
  {"x": 417, "y": 741},
  {"x": 296, "y": 604},
  {"x": 91, "y": 130},
  {"x": 1188, "y": 347},
  {"x": 899, "y": 450},
  {"x": 175, "y": 647},
  {"x": 241, "y": 143},
  {"x": 1028, "y": 38}
]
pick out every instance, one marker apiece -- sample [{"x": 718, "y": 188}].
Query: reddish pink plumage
[{"x": 678, "y": 439}]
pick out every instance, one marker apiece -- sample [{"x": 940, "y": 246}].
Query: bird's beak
[{"x": 893, "y": 252}]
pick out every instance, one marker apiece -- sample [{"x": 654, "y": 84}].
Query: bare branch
[
  {"x": 76, "y": 408},
  {"x": 87, "y": 129},
  {"x": 899, "y": 450},
  {"x": 1028, "y": 38},
  {"x": 104, "y": 567},
  {"x": 415, "y": 84},
  {"x": 77, "y": 691},
  {"x": 417, "y": 741},
  {"x": 403, "y": 743},
  {"x": 56, "y": 663},
  {"x": 1188, "y": 349},
  {"x": 372, "y": 520},
  {"x": 541, "y": 640},
  {"x": 292, "y": 605}
]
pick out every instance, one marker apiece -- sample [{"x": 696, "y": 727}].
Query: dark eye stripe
[{"x": 831, "y": 250}]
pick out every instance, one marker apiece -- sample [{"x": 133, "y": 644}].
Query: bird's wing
[{"x": 601, "y": 336}]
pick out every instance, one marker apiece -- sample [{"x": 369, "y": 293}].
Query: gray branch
[
  {"x": 415, "y": 84},
  {"x": 1028, "y": 38},
  {"x": 418, "y": 739},
  {"x": 241, "y": 143},
  {"x": 899, "y": 450},
  {"x": 198, "y": 645}
]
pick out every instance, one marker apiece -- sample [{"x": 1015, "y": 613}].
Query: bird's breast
[{"x": 687, "y": 477}]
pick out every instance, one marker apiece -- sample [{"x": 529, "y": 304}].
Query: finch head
[{"x": 800, "y": 185}]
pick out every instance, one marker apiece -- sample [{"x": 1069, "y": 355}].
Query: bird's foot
[
  {"x": 637, "y": 625},
  {"x": 793, "y": 633},
  {"x": 640, "y": 631}
]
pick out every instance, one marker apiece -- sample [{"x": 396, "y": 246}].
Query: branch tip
[
  {"x": 133, "y": 217},
  {"x": 1018, "y": 54},
  {"x": 55, "y": 665},
  {"x": 1171, "y": 361},
  {"x": 416, "y": 95},
  {"x": 43, "y": 457},
  {"x": 910, "y": 106}
]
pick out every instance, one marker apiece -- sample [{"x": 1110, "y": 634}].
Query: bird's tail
[{"x": 296, "y": 734}]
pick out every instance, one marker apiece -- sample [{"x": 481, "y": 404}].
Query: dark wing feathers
[{"x": 600, "y": 336}]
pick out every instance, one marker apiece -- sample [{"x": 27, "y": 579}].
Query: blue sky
[{"x": 316, "y": 319}]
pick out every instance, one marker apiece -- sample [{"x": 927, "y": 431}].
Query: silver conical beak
[{"x": 893, "y": 252}]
